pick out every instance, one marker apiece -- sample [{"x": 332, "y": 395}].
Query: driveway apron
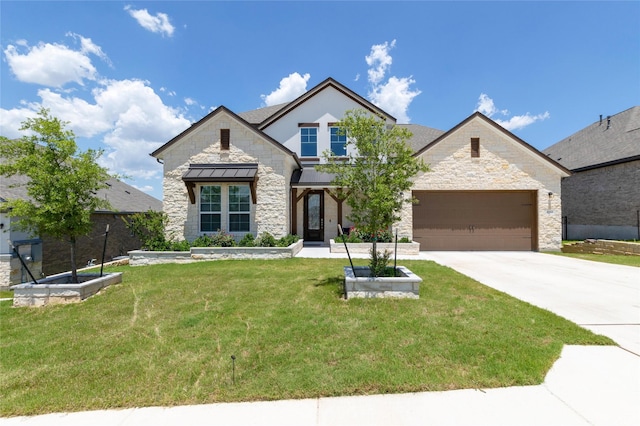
[{"x": 601, "y": 297}]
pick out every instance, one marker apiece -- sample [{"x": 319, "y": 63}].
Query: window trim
[
  {"x": 302, "y": 144},
  {"x": 239, "y": 212},
  {"x": 209, "y": 212},
  {"x": 344, "y": 146}
]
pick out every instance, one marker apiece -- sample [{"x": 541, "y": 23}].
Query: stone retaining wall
[
  {"x": 603, "y": 247},
  {"x": 141, "y": 257},
  {"x": 411, "y": 248}
]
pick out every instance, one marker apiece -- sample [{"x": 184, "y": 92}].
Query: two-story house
[{"x": 253, "y": 172}]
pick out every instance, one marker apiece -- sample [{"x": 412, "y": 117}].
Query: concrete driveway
[{"x": 601, "y": 297}]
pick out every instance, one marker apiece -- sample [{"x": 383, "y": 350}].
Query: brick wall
[
  {"x": 56, "y": 253},
  {"x": 603, "y": 202}
]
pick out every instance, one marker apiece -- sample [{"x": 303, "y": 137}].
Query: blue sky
[{"x": 129, "y": 76}]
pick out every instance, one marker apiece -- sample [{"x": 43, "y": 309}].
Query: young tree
[
  {"x": 62, "y": 184},
  {"x": 377, "y": 172}
]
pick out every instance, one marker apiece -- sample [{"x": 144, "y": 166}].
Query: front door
[{"x": 314, "y": 216}]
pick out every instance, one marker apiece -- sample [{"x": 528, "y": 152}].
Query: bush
[
  {"x": 288, "y": 240},
  {"x": 179, "y": 245},
  {"x": 247, "y": 241},
  {"x": 149, "y": 228},
  {"x": 266, "y": 240},
  {"x": 219, "y": 239},
  {"x": 378, "y": 262},
  {"x": 358, "y": 236}
]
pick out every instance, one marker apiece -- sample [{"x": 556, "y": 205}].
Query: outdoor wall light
[{"x": 1, "y": 225}]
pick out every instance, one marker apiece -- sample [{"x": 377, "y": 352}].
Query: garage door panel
[{"x": 481, "y": 220}]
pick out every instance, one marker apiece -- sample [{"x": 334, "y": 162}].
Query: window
[
  {"x": 475, "y": 147},
  {"x": 239, "y": 208},
  {"x": 210, "y": 206},
  {"x": 338, "y": 142},
  {"x": 309, "y": 141}
]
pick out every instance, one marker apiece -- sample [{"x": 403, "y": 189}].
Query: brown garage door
[{"x": 475, "y": 220}]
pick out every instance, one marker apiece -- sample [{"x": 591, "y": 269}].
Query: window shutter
[
  {"x": 224, "y": 138},
  {"x": 475, "y": 147}
]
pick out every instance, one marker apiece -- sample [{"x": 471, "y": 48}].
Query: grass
[
  {"x": 616, "y": 259},
  {"x": 6, "y": 294},
  {"x": 165, "y": 336}
]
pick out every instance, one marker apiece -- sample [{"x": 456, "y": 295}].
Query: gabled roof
[
  {"x": 610, "y": 141},
  {"x": 483, "y": 117},
  {"x": 122, "y": 197},
  {"x": 329, "y": 82},
  {"x": 222, "y": 109},
  {"x": 422, "y": 135},
  {"x": 257, "y": 116}
]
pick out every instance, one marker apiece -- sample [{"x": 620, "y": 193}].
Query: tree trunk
[{"x": 74, "y": 268}]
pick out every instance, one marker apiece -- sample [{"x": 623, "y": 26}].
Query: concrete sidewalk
[{"x": 588, "y": 385}]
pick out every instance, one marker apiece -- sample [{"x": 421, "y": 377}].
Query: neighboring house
[
  {"x": 47, "y": 256},
  {"x": 601, "y": 199},
  {"x": 253, "y": 172}
]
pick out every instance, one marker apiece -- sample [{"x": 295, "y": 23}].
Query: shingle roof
[
  {"x": 422, "y": 135},
  {"x": 122, "y": 197},
  {"x": 615, "y": 138},
  {"x": 257, "y": 116}
]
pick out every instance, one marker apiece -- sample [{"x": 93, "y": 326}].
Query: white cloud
[
  {"x": 145, "y": 188},
  {"x": 487, "y": 107},
  {"x": 128, "y": 115},
  {"x": 395, "y": 95},
  {"x": 51, "y": 65},
  {"x": 190, "y": 101},
  {"x": 290, "y": 88},
  {"x": 156, "y": 24},
  {"x": 519, "y": 121},
  {"x": 379, "y": 61}
]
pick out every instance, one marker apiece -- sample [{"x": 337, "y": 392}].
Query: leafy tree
[
  {"x": 377, "y": 172},
  {"x": 62, "y": 184}
]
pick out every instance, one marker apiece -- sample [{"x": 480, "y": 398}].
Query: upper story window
[
  {"x": 309, "y": 141},
  {"x": 338, "y": 142},
  {"x": 239, "y": 208},
  {"x": 210, "y": 208}
]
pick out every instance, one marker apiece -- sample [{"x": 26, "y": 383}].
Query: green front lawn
[{"x": 165, "y": 336}]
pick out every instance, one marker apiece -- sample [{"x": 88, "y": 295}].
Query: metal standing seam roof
[
  {"x": 310, "y": 177},
  {"x": 221, "y": 172}
]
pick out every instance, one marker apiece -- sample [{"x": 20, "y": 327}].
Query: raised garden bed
[
  {"x": 603, "y": 247},
  {"x": 195, "y": 254},
  {"x": 358, "y": 284},
  {"x": 59, "y": 289},
  {"x": 411, "y": 248}
]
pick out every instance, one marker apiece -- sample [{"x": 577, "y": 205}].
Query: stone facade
[
  {"x": 504, "y": 164},
  {"x": 271, "y": 211},
  {"x": 610, "y": 206}
]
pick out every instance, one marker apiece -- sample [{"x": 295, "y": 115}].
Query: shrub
[
  {"x": 404, "y": 240},
  {"x": 378, "y": 262},
  {"x": 358, "y": 236},
  {"x": 179, "y": 245},
  {"x": 266, "y": 240},
  {"x": 286, "y": 241},
  {"x": 222, "y": 239},
  {"x": 202, "y": 241},
  {"x": 219, "y": 239},
  {"x": 247, "y": 241}
]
